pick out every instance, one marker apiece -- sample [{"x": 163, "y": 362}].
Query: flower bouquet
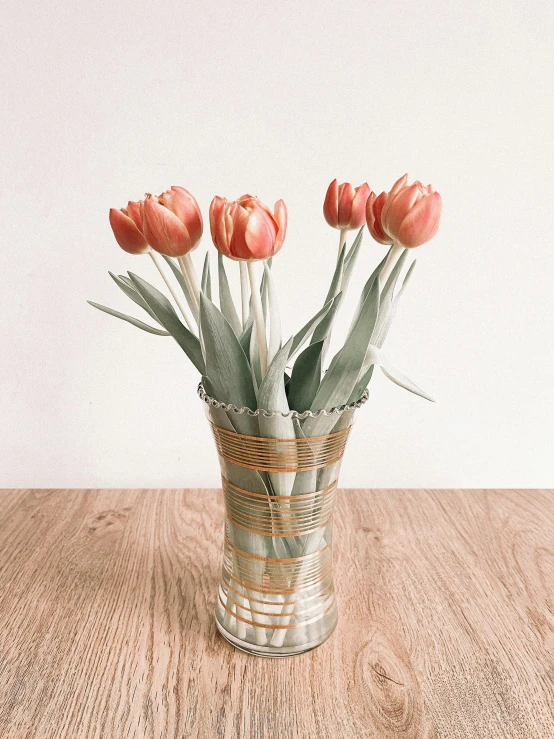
[{"x": 280, "y": 412}]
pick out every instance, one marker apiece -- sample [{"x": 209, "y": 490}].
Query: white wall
[{"x": 102, "y": 101}]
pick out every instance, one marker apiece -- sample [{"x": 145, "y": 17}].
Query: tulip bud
[
  {"x": 246, "y": 229},
  {"x": 374, "y": 208},
  {"x": 172, "y": 222},
  {"x": 411, "y": 213},
  {"x": 344, "y": 205},
  {"x": 127, "y": 228}
]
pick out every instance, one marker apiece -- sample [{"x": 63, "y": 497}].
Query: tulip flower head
[
  {"x": 127, "y": 228},
  {"x": 172, "y": 222},
  {"x": 411, "y": 213},
  {"x": 374, "y": 208},
  {"x": 344, "y": 205},
  {"x": 246, "y": 229}
]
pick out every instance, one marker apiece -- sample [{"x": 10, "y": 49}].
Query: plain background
[{"x": 103, "y": 101}]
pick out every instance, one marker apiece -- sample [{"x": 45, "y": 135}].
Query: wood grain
[{"x": 446, "y": 621}]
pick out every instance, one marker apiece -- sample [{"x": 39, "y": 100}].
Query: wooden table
[{"x": 446, "y": 621}]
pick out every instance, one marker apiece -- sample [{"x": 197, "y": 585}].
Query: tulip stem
[
  {"x": 389, "y": 264},
  {"x": 258, "y": 316},
  {"x": 187, "y": 259},
  {"x": 342, "y": 241},
  {"x": 244, "y": 292},
  {"x": 189, "y": 320},
  {"x": 191, "y": 280}
]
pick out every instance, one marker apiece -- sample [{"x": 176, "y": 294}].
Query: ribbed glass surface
[{"x": 276, "y": 595}]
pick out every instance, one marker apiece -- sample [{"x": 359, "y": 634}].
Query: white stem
[
  {"x": 187, "y": 259},
  {"x": 259, "y": 631},
  {"x": 187, "y": 315},
  {"x": 244, "y": 612},
  {"x": 395, "y": 252},
  {"x": 342, "y": 241},
  {"x": 284, "y": 619},
  {"x": 275, "y": 334},
  {"x": 288, "y": 609},
  {"x": 242, "y": 609},
  {"x": 258, "y": 316},
  {"x": 192, "y": 288},
  {"x": 229, "y": 620},
  {"x": 244, "y": 292}
]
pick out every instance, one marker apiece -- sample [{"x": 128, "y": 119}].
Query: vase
[{"x": 279, "y": 475}]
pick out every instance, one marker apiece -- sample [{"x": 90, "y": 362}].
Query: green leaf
[
  {"x": 244, "y": 339},
  {"x": 128, "y": 288},
  {"x": 350, "y": 260},
  {"x": 342, "y": 375},
  {"x": 182, "y": 284},
  {"x": 388, "y": 291},
  {"x": 305, "y": 378},
  {"x": 207, "y": 385},
  {"x": 129, "y": 319},
  {"x": 375, "y": 356},
  {"x": 323, "y": 331},
  {"x": 206, "y": 277},
  {"x": 387, "y": 311},
  {"x": 254, "y": 359},
  {"x": 324, "y": 328},
  {"x": 367, "y": 287},
  {"x": 163, "y": 310},
  {"x": 302, "y": 336},
  {"x": 275, "y": 336},
  {"x": 361, "y": 385},
  {"x": 272, "y": 396},
  {"x": 391, "y": 281},
  {"x": 226, "y": 299},
  {"x": 384, "y": 321},
  {"x": 334, "y": 287},
  {"x": 226, "y": 363},
  {"x": 330, "y": 317}
]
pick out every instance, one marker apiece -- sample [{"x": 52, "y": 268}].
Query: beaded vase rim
[{"x": 244, "y": 410}]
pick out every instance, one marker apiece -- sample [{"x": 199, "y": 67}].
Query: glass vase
[{"x": 279, "y": 476}]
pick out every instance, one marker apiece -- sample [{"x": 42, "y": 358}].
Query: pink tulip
[
  {"x": 127, "y": 228},
  {"x": 246, "y": 229},
  {"x": 344, "y": 205},
  {"x": 411, "y": 213},
  {"x": 374, "y": 208},
  {"x": 172, "y": 222}
]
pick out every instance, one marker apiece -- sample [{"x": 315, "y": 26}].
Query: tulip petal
[
  {"x": 357, "y": 214},
  {"x": 399, "y": 208},
  {"x": 331, "y": 204},
  {"x": 164, "y": 231},
  {"x": 246, "y": 228},
  {"x": 127, "y": 235},
  {"x": 346, "y": 196},
  {"x": 228, "y": 225},
  {"x": 217, "y": 224},
  {"x": 133, "y": 211},
  {"x": 281, "y": 218},
  {"x": 237, "y": 223},
  {"x": 398, "y": 185},
  {"x": 373, "y": 214},
  {"x": 185, "y": 207},
  {"x": 378, "y": 205},
  {"x": 422, "y": 222},
  {"x": 369, "y": 208},
  {"x": 260, "y": 234},
  {"x": 247, "y": 200}
]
